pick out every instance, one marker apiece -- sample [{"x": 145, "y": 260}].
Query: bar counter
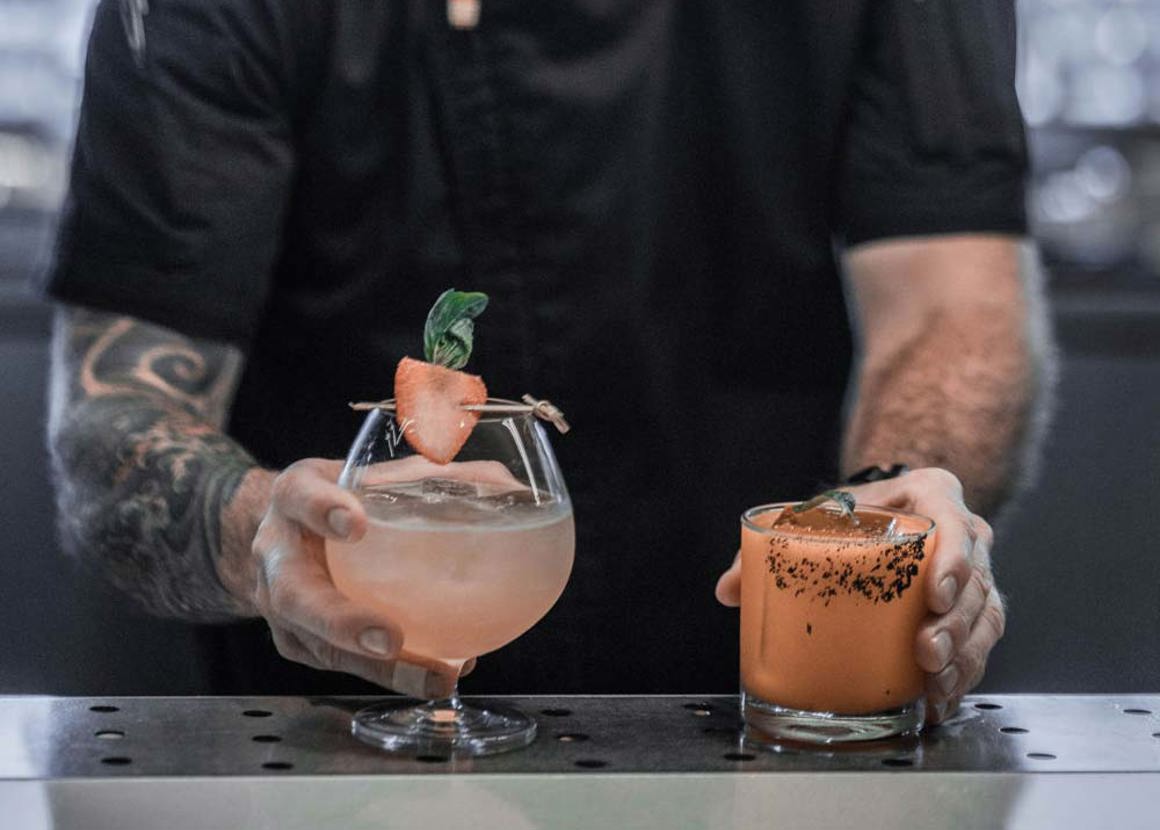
[{"x": 1005, "y": 761}]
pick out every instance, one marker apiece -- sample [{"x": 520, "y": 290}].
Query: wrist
[
  {"x": 240, "y": 517},
  {"x": 876, "y": 472}
]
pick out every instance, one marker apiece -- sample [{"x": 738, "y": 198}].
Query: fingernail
[
  {"x": 947, "y": 680},
  {"x": 339, "y": 521},
  {"x": 376, "y": 641},
  {"x": 947, "y": 591},
  {"x": 942, "y": 648}
]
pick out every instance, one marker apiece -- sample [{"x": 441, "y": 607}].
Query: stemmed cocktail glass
[{"x": 464, "y": 556}]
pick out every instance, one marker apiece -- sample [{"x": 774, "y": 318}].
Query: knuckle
[
  {"x": 310, "y": 501},
  {"x": 972, "y": 662},
  {"x": 329, "y": 656},
  {"x": 284, "y": 486},
  {"x": 260, "y": 594},
  {"x": 265, "y": 537},
  {"x": 960, "y": 565},
  {"x": 983, "y": 530},
  {"x": 259, "y": 600},
  {"x": 969, "y": 526},
  {"x": 287, "y": 644},
  {"x": 979, "y": 582},
  {"x": 959, "y": 627},
  {"x": 293, "y": 482},
  {"x": 284, "y": 600},
  {"x": 941, "y": 478},
  {"x": 995, "y": 618},
  {"x": 332, "y": 629}
]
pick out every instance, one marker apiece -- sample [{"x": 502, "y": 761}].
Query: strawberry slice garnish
[{"x": 429, "y": 403}]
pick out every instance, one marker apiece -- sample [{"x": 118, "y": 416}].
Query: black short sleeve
[
  {"x": 935, "y": 139},
  {"x": 181, "y": 168}
]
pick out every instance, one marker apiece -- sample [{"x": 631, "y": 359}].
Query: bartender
[{"x": 661, "y": 199}]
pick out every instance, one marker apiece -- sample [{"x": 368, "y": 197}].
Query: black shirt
[{"x": 649, "y": 190}]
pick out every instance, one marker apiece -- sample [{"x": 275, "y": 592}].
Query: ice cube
[{"x": 829, "y": 519}]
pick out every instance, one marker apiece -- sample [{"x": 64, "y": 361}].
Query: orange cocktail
[{"x": 830, "y": 608}]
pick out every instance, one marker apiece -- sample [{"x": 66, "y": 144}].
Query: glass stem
[
  {"x": 451, "y": 703},
  {"x": 452, "y": 700}
]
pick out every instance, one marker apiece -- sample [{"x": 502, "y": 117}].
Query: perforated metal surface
[{"x": 77, "y": 738}]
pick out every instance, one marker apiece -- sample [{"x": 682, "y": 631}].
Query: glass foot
[
  {"x": 769, "y": 724},
  {"x": 445, "y": 727}
]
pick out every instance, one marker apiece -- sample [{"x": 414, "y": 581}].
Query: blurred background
[{"x": 1079, "y": 559}]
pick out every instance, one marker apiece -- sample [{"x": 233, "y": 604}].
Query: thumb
[{"x": 728, "y": 591}]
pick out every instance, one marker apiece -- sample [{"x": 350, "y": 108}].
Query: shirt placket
[{"x": 484, "y": 150}]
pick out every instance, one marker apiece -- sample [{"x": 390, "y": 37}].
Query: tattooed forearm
[{"x": 143, "y": 471}]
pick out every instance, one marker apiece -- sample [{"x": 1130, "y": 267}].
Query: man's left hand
[{"x": 966, "y": 615}]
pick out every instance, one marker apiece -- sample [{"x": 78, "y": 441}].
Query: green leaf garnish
[
  {"x": 449, "y": 333},
  {"x": 841, "y": 498}
]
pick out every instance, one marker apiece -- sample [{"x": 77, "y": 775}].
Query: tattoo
[
  {"x": 969, "y": 393},
  {"x": 143, "y": 471}
]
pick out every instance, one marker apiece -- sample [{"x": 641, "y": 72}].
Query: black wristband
[{"x": 876, "y": 473}]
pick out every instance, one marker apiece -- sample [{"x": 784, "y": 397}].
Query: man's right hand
[
  {"x": 156, "y": 496},
  {"x": 312, "y": 622}
]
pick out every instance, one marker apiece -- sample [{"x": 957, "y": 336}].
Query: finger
[
  {"x": 907, "y": 490},
  {"x": 941, "y": 637},
  {"x": 728, "y": 590},
  {"x": 949, "y": 570},
  {"x": 937, "y": 713},
  {"x": 937, "y": 494},
  {"x": 416, "y": 468},
  {"x": 410, "y": 675},
  {"x": 307, "y": 493},
  {"x": 966, "y": 670},
  {"x": 298, "y": 591},
  {"x": 288, "y": 644}
]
